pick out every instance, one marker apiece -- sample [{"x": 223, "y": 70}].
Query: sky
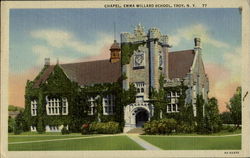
[{"x": 74, "y": 35}]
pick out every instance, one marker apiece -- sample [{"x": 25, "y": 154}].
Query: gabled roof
[
  {"x": 100, "y": 71},
  {"x": 85, "y": 73},
  {"x": 103, "y": 71},
  {"x": 44, "y": 76},
  {"x": 180, "y": 63}
]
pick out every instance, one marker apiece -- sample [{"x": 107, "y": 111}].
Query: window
[
  {"x": 32, "y": 128},
  {"x": 33, "y": 108},
  {"x": 92, "y": 107},
  {"x": 108, "y": 105},
  {"x": 140, "y": 88},
  {"x": 53, "y": 106},
  {"x": 64, "y": 106},
  {"x": 172, "y": 106},
  {"x": 160, "y": 60}
]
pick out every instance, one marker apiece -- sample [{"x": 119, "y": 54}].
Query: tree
[
  {"x": 226, "y": 117},
  {"x": 212, "y": 117},
  {"x": 234, "y": 107},
  {"x": 200, "y": 119},
  {"x": 20, "y": 124},
  {"x": 11, "y": 123}
]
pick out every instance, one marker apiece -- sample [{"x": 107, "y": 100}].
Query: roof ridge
[
  {"x": 182, "y": 51},
  {"x": 85, "y": 62}
]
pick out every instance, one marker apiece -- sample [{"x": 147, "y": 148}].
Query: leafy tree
[
  {"x": 11, "y": 123},
  {"x": 226, "y": 117},
  {"x": 18, "y": 126},
  {"x": 14, "y": 108},
  {"x": 200, "y": 119},
  {"x": 234, "y": 107},
  {"x": 212, "y": 118}
]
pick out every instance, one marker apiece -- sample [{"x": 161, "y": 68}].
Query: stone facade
[{"x": 155, "y": 46}]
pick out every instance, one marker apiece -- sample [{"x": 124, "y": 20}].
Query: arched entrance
[
  {"x": 136, "y": 114},
  {"x": 141, "y": 117}
]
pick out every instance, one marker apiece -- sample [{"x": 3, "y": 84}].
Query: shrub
[
  {"x": 164, "y": 126},
  {"x": 64, "y": 130},
  {"x": 11, "y": 123},
  {"x": 231, "y": 128},
  {"x": 85, "y": 129},
  {"x": 17, "y": 129},
  {"x": 185, "y": 128},
  {"x": 104, "y": 128}
]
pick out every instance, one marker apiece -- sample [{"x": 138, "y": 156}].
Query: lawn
[
  {"x": 99, "y": 143},
  {"x": 195, "y": 143},
  {"x": 37, "y": 138}
]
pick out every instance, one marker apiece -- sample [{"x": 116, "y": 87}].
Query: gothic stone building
[{"x": 141, "y": 59}]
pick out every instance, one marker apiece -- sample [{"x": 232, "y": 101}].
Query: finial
[
  {"x": 114, "y": 31},
  {"x": 197, "y": 42},
  {"x": 46, "y": 61}
]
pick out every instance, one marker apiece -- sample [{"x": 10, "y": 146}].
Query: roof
[
  {"x": 100, "y": 71},
  {"x": 103, "y": 71},
  {"x": 179, "y": 63},
  {"x": 44, "y": 76},
  {"x": 115, "y": 46},
  {"x": 85, "y": 73}
]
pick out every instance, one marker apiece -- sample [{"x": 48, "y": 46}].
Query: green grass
[
  {"x": 221, "y": 133},
  {"x": 46, "y": 133},
  {"x": 36, "y": 138},
  {"x": 195, "y": 143},
  {"x": 101, "y": 143}
]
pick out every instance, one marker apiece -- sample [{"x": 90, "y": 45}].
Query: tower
[{"x": 115, "y": 55}]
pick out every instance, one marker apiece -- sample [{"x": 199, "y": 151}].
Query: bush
[
  {"x": 231, "y": 128},
  {"x": 11, "y": 123},
  {"x": 164, "y": 126},
  {"x": 85, "y": 129},
  {"x": 64, "y": 130},
  {"x": 185, "y": 128},
  {"x": 104, "y": 128}
]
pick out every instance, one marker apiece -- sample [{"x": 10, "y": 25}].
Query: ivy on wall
[
  {"x": 127, "y": 50},
  {"x": 160, "y": 102},
  {"x": 59, "y": 86}
]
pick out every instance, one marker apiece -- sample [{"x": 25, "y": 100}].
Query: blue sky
[
  {"x": 76, "y": 34},
  {"x": 85, "y": 24}
]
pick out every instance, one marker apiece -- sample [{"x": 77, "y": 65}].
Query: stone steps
[{"x": 137, "y": 130}]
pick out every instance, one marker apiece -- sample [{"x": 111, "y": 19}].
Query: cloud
[
  {"x": 58, "y": 40},
  {"x": 225, "y": 77},
  {"x": 17, "y": 82},
  {"x": 198, "y": 30},
  {"x": 233, "y": 61}
]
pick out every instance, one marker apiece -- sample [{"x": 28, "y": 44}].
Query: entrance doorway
[{"x": 141, "y": 117}]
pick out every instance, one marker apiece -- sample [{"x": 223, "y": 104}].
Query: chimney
[
  {"x": 197, "y": 42},
  {"x": 46, "y": 61}
]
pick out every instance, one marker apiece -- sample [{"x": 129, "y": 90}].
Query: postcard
[{"x": 125, "y": 79}]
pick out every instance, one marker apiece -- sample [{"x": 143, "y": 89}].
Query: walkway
[{"x": 142, "y": 143}]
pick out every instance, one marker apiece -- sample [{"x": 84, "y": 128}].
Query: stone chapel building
[{"x": 142, "y": 68}]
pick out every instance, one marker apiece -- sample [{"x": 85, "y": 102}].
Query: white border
[{"x": 6, "y": 6}]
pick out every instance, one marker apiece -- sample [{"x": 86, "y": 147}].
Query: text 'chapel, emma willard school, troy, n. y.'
[{"x": 119, "y": 89}]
